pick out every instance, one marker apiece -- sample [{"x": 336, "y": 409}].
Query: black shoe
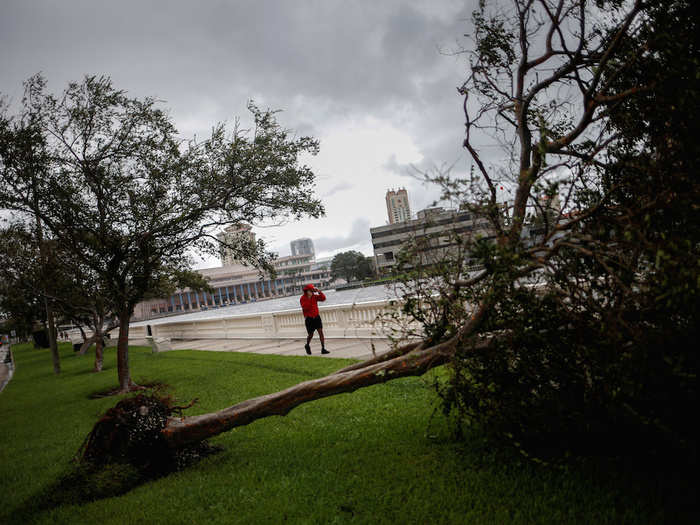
[
  {"x": 324, "y": 351},
  {"x": 308, "y": 349}
]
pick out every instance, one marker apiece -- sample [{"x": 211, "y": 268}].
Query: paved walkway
[
  {"x": 345, "y": 348},
  {"x": 6, "y": 366}
]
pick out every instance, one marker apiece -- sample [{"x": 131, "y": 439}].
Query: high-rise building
[
  {"x": 397, "y": 206},
  {"x": 302, "y": 247},
  {"x": 232, "y": 235}
]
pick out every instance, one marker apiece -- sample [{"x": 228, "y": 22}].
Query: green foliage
[
  {"x": 21, "y": 300},
  {"x": 351, "y": 266},
  {"x": 494, "y": 39}
]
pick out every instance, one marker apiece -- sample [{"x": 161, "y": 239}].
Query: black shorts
[{"x": 313, "y": 323}]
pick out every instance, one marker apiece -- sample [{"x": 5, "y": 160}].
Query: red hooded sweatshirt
[{"x": 309, "y": 306}]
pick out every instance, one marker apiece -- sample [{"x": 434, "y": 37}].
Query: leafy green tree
[
  {"x": 29, "y": 276},
  {"x": 351, "y": 265},
  {"x": 21, "y": 302},
  {"x": 128, "y": 197}
]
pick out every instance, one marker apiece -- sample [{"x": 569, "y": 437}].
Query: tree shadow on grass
[{"x": 91, "y": 371}]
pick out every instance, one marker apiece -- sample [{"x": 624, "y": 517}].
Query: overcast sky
[{"x": 373, "y": 80}]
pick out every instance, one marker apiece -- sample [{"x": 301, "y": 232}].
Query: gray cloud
[
  {"x": 357, "y": 238},
  {"x": 345, "y": 56},
  {"x": 326, "y": 63},
  {"x": 337, "y": 189}
]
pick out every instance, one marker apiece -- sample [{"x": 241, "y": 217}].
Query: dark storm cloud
[
  {"x": 323, "y": 61},
  {"x": 348, "y": 56}
]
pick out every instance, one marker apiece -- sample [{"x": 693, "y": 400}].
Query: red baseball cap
[{"x": 309, "y": 287}]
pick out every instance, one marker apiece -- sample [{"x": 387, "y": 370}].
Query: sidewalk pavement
[
  {"x": 6, "y": 366},
  {"x": 340, "y": 348}
]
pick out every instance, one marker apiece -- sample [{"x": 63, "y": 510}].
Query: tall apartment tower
[
  {"x": 397, "y": 206},
  {"x": 234, "y": 234},
  {"x": 302, "y": 247}
]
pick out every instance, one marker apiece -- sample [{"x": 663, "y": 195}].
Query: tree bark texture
[
  {"x": 123, "y": 352},
  {"x": 53, "y": 344},
  {"x": 87, "y": 343}
]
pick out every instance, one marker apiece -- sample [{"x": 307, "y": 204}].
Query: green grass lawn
[{"x": 374, "y": 456}]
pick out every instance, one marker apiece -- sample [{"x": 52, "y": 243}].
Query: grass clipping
[{"x": 125, "y": 449}]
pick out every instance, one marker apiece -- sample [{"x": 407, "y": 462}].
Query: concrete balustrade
[{"x": 349, "y": 321}]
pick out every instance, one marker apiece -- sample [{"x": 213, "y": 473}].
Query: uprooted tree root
[
  {"x": 130, "y": 433},
  {"x": 124, "y": 449}
]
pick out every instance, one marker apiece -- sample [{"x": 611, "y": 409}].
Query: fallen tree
[
  {"x": 181, "y": 433},
  {"x": 173, "y": 434}
]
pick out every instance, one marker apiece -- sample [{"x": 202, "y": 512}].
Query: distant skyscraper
[
  {"x": 302, "y": 247},
  {"x": 232, "y": 235},
  {"x": 397, "y": 206}
]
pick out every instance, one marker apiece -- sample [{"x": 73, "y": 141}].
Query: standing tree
[
  {"x": 127, "y": 197},
  {"x": 81, "y": 300},
  {"x": 351, "y": 265},
  {"x": 69, "y": 287},
  {"x": 30, "y": 275},
  {"x": 22, "y": 151},
  {"x": 21, "y": 298}
]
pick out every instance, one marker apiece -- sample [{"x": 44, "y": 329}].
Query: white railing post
[
  {"x": 268, "y": 324},
  {"x": 342, "y": 317}
]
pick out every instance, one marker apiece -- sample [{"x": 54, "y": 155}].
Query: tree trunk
[
  {"x": 53, "y": 345},
  {"x": 82, "y": 332},
  {"x": 182, "y": 431},
  {"x": 123, "y": 351},
  {"x": 98, "y": 321},
  {"x": 87, "y": 343},
  {"x": 99, "y": 352}
]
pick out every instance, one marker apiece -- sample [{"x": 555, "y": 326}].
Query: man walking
[{"x": 309, "y": 306}]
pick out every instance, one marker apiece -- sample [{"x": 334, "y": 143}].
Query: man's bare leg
[
  {"x": 308, "y": 340},
  {"x": 323, "y": 341}
]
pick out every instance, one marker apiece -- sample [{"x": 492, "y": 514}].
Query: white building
[
  {"x": 397, "y": 206},
  {"x": 234, "y": 235}
]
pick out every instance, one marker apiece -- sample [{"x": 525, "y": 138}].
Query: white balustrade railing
[{"x": 359, "y": 320}]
